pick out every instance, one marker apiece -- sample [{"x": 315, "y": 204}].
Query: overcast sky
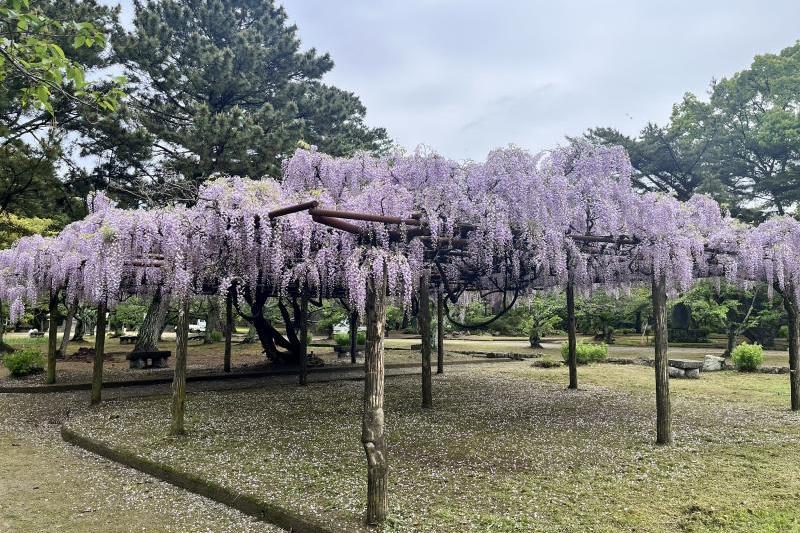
[{"x": 466, "y": 76}]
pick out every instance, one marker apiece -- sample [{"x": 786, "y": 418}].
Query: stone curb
[
  {"x": 65, "y": 387},
  {"x": 246, "y": 504}
]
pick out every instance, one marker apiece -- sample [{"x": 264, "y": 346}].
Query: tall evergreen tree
[{"x": 222, "y": 86}]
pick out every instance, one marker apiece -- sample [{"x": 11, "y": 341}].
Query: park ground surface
[
  {"x": 207, "y": 358},
  {"x": 506, "y": 448}
]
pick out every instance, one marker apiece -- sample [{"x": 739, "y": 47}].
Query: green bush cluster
[
  {"x": 216, "y": 336},
  {"x": 343, "y": 339},
  {"x": 586, "y": 352},
  {"x": 748, "y": 357},
  {"x": 23, "y": 362}
]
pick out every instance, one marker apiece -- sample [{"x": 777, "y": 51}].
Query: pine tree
[{"x": 224, "y": 87}]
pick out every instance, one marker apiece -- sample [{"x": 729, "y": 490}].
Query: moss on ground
[{"x": 506, "y": 448}]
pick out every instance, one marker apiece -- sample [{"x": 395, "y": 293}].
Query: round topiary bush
[
  {"x": 748, "y": 357},
  {"x": 585, "y": 352},
  {"x": 24, "y": 362}
]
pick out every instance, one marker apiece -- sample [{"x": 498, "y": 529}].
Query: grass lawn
[{"x": 506, "y": 448}]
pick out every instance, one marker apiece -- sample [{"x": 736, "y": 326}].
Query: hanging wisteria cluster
[{"x": 515, "y": 222}]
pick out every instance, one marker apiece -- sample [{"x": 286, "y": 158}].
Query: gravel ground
[
  {"x": 48, "y": 485},
  {"x": 506, "y": 448}
]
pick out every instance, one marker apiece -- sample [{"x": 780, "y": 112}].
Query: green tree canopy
[{"x": 222, "y": 86}]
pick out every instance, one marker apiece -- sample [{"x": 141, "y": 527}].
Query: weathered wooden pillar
[
  {"x": 179, "y": 380},
  {"x": 572, "y": 337},
  {"x": 228, "y": 330},
  {"x": 99, "y": 350},
  {"x": 663, "y": 409},
  {"x": 794, "y": 347},
  {"x": 52, "y": 338},
  {"x": 424, "y": 319},
  {"x": 303, "y": 377},
  {"x": 439, "y": 332},
  {"x": 353, "y": 336},
  {"x": 372, "y": 433}
]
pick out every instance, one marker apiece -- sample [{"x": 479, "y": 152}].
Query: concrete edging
[
  {"x": 249, "y": 505},
  {"x": 67, "y": 387}
]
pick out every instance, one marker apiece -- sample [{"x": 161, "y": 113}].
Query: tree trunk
[
  {"x": 794, "y": 347},
  {"x": 52, "y": 338},
  {"x": 353, "y": 336},
  {"x": 572, "y": 337},
  {"x": 251, "y": 336},
  {"x": 424, "y": 319},
  {"x": 80, "y": 328},
  {"x": 62, "y": 349},
  {"x": 4, "y": 348},
  {"x": 229, "y": 325},
  {"x": 150, "y": 331},
  {"x": 212, "y": 320},
  {"x": 372, "y": 433},
  {"x": 99, "y": 350},
  {"x": 303, "y": 378},
  {"x": 439, "y": 332},
  {"x": 731, "y": 340},
  {"x": 663, "y": 409},
  {"x": 179, "y": 380}
]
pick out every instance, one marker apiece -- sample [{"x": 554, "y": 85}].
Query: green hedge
[
  {"x": 343, "y": 339},
  {"x": 586, "y": 352},
  {"x": 748, "y": 357},
  {"x": 24, "y": 362}
]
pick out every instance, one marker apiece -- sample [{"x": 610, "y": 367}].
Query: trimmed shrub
[
  {"x": 586, "y": 352},
  {"x": 748, "y": 357},
  {"x": 24, "y": 362},
  {"x": 343, "y": 339}
]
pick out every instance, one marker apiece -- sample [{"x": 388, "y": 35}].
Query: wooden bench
[
  {"x": 128, "y": 339},
  {"x": 157, "y": 359},
  {"x": 35, "y": 334}
]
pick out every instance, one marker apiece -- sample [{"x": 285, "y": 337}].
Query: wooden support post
[
  {"x": 229, "y": 325},
  {"x": 303, "y": 377},
  {"x": 99, "y": 350},
  {"x": 353, "y": 336},
  {"x": 794, "y": 347},
  {"x": 663, "y": 409},
  {"x": 572, "y": 337},
  {"x": 179, "y": 381},
  {"x": 372, "y": 433},
  {"x": 52, "y": 338},
  {"x": 425, "y": 331},
  {"x": 439, "y": 332}
]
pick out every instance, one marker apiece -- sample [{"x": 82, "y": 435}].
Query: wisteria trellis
[{"x": 523, "y": 221}]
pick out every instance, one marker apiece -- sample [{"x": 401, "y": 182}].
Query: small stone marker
[{"x": 713, "y": 363}]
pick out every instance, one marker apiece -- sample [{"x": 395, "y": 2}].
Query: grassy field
[{"x": 506, "y": 448}]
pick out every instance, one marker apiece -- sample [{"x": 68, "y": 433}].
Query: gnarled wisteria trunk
[
  {"x": 62, "y": 349},
  {"x": 572, "y": 337},
  {"x": 353, "y": 336},
  {"x": 439, "y": 332},
  {"x": 99, "y": 350},
  {"x": 424, "y": 318},
  {"x": 663, "y": 409},
  {"x": 150, "y": 331},
  {"x": 794, "y": 348},
  {"x": 52, "y": 338},
  {"x": 229, "y": 326},
  {"x": 372, "y": 431},
  {"x": 303, "y": 378},
  {"x": 179, "y": 379},
  {"x": 212, "y": 320}
]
